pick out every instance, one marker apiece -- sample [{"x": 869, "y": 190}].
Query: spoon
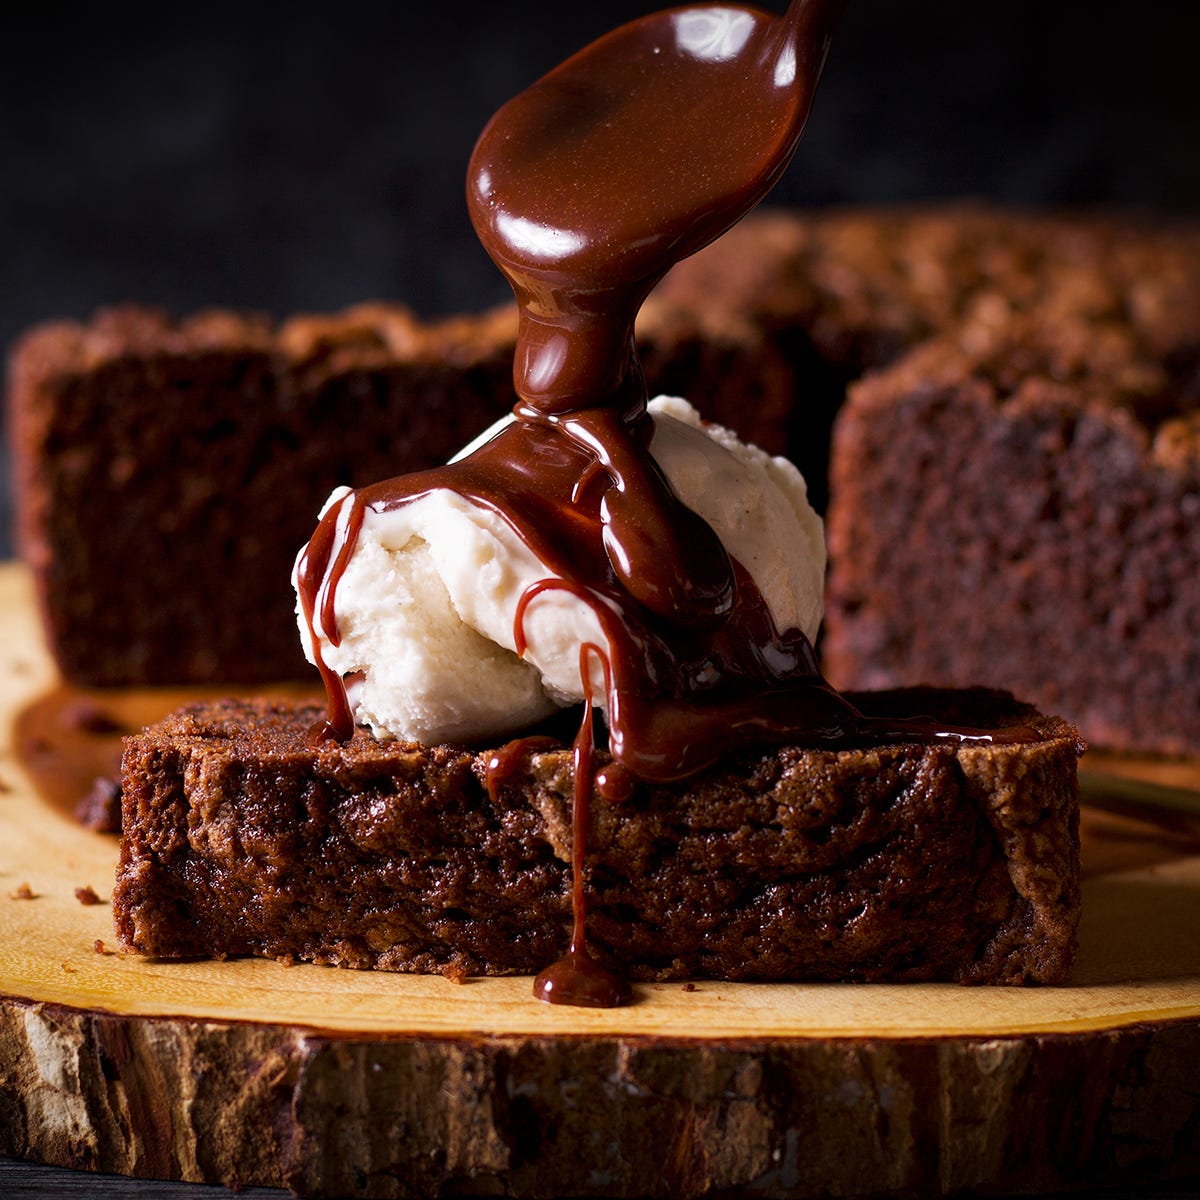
[{"x": 632, "y": 154}]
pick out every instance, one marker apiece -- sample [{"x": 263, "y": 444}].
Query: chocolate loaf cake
[
  {"x": 898, "y": 862},
  {"x": 843, "y": 293},
  {"x": 863, "y": 286},
  {"x": 1046, "y": 506},
  {"x": 168, "y": 472}
]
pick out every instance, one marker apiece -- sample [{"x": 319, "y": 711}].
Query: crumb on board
[
  {"x": 100, "y": 809},
  {"x": 86, "y": 716},
  {"x": 24, "y": 892},
  {"x": 689, "y": 987},
  {"x": 87, "y": 895}
]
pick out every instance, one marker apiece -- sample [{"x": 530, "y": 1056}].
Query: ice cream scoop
[{"x": 426, "y": 607}]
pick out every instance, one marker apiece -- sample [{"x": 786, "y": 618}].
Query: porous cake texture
[
  {"x": 1048, "y": 516},
  {"x": 907, "y": 861}
]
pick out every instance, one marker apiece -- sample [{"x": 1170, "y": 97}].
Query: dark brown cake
[
  {"x": 167, "y": 473},
  {"x": 844, "y": 292},
  {"x": 902, "y": 862},
  {"x": 863, "y": 286},
  {"x": 1047, "y": 509}
]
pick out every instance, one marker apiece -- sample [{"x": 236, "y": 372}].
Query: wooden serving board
[{"x": 338, "y": 1082}]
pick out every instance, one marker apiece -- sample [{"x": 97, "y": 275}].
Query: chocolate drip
[
  {"x": 633, "y": 154},
  {"x": 514, "y": 758},
  {"x": 318, "y": 570},
  {"x": 577, "y": 978}
]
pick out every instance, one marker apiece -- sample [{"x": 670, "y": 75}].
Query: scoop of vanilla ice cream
[{"x": 427, "y": 603}]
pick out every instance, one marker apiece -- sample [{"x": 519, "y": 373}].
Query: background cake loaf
[
  {"x": 1015, "y": 483},
  {"x": 1047, "y": 511},
  {"x": 168, "y": 472}
]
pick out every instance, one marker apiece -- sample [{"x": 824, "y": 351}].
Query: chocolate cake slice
[
  {"x": 842, "y": 293},
  {"x": 1018, "y": 451},
  {"x": 862, "y": 286},
  {"x": 167, "y": 472},
  {"x": 1039, "y": 492},
  {"x": 907, "y": 861}
]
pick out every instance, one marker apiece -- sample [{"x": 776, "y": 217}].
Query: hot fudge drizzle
[{"x": 584, "y": 190}]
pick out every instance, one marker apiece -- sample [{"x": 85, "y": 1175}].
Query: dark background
[{"x": 309, "y": 156}]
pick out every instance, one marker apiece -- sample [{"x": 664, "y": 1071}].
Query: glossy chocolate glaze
[
  {"x": 577, "y": 978},
  {"x": 585, "y": 189}
]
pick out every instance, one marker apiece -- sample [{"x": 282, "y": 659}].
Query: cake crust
[{"x": 900, "y": 862}]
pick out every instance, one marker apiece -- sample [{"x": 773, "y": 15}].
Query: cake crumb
[
  {"x": 87, "y": 895},
  {"x": 70, "y": 970},
  {"x": 100, "y": 809},
  {"x": 24, "y": 892},
  {"x": 99, "y": 947},
  {"x": 689, "y": 987},
  {"x": 86, "y": 716}
]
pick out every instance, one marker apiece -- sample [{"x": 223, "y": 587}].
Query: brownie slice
[
  {"x": 168, "y": 472},
  {"x": 898, "y": 862},
  {"x": 843, "y": 292},
  {"x": 863, "y": 286},
  {"x": 1041, "y": 496}
]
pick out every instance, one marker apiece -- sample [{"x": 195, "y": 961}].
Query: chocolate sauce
[
  {"x": 577, "y": 978},
  {"x": 584, "y": 190},
  {"x": 636, "y": 152},
  {"x": 513, "y": 758},
  {"x": 322, "y": 563}
]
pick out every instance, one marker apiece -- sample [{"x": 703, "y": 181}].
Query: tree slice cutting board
[{"x": 342, "y": 1082}]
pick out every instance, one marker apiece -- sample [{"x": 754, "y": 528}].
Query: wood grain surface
[{"x": 340, "y": 1082}]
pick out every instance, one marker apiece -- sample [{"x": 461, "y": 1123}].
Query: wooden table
[
  {"x": 251, "y": 1073},
  {"x": 34, "y": 1181}
]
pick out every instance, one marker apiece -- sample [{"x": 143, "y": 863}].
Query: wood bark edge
[{"x": 250, "y": 1104}]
